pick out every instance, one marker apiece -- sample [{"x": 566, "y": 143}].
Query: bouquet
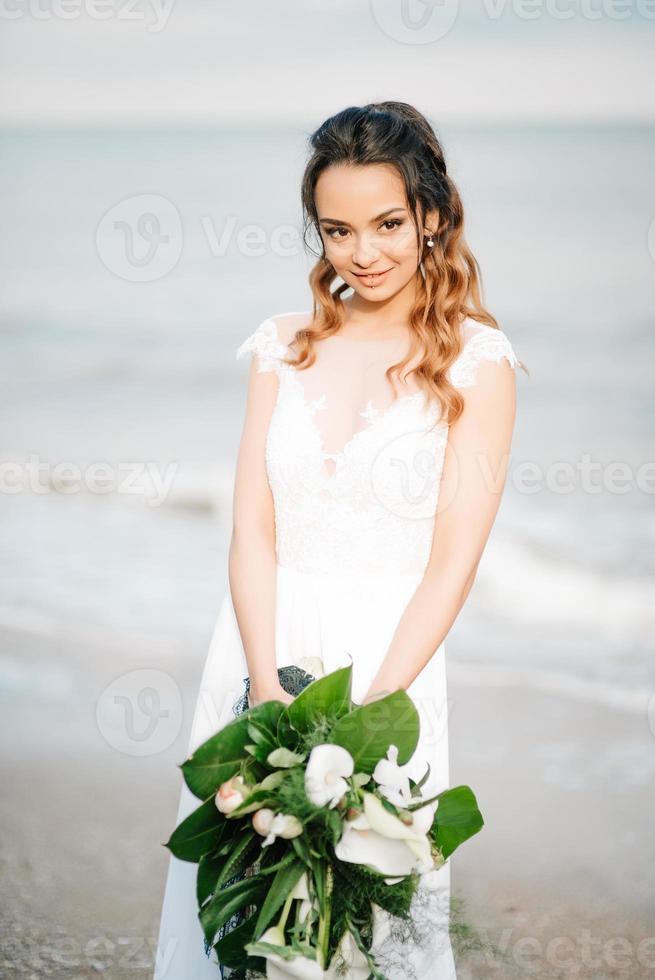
[{"x": 308, "y": 827}]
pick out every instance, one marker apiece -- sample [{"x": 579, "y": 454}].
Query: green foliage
[
  {"x": 283, "y": 883},
  {"x": 226, "y": 902},
  {"x": 268, "y": 747},
  {"x": 230, "y": 949},
  {"x": 328, "y": 696},
  {"x": 368, "y": 731},
  {"x": 200, "y": 832},
  {"x": 284, "y": 758},
  {"x": 219, "y": 758},
  {"x": 457, "y": 819}
]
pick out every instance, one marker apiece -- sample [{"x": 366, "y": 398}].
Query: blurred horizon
[{"x": 458, "y": 60}]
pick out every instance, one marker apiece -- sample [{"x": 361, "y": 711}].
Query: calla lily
[
  {"x": 301, "y": 891},
  {"x": 298, "y": 967},
  {"x": 392, "y": 780},
  {"x": 231, "y": 794},
  {"x": 348, "y": 952},
  {"x": 326, "y": 772},
  {"x": 302, "y": 968},
  {"x": 381, "y": 841}
]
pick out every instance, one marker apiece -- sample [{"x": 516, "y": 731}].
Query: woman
[{"x": 372, "y": 461}]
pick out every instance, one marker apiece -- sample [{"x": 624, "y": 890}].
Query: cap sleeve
[
  {"x": 265, "y": 346},
  {"x": 488, "y": 344}
]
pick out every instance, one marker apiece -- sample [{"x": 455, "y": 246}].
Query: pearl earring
[{"x": 429, "y": 242}]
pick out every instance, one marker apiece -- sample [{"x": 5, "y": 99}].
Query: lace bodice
[{"x": 371, "y": 506}]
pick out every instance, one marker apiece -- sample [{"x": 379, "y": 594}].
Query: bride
[{"x": 372, "y": 461}]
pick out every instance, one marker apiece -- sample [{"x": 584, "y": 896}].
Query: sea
[{"x": 137, "y": 259}]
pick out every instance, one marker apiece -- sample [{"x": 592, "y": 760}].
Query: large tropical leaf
[
  {"x": 219, "y": 758},
  {"x": 457, "y": 818},
  {"x": 230, "y": 951},
  {"x": 369, "y": 730},
  {"x": 329, "y": 695},
  {"x": 202, "y": 831},
  {"x": 284, "y": 881},
  {"x": 226, "y": 901}
]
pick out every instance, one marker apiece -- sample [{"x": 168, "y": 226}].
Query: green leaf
[
  {"x": 209, "y": 868},
  {"x": 241, "y": 856},
  {"x": 273, "y": 780},
  {"x": 254, "y": 801},
  {"x": 457, "y": 818},
  {"x": 231, "y": 952},
  {"x": 219, "y": 758},
  {"x": 361, "y": 945},
  {"x": 329, "y": 695},
  {"x": 285, "y": 881},
  {"x": 226, "y": 901},
  {"x": 200, "y": 832},
  {"x": 368, "y": 731},
  {"x": 284, "y": 758}
]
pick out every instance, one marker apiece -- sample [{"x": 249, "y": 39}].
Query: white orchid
[
  {"x": 378, "y": 839},
  {"x": 327, "y": 768},
  {"x": 298, "y": 967},
  {"x": 231, "y": 794},
  {"x": 392, "y": 779}
]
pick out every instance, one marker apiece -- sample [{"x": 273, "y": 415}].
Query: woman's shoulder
[
  {"x": 270, "y": 340},
  {"x": 481, "y": 342}
]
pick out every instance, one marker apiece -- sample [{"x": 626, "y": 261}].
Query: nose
[{"x": 365, "y": 252}]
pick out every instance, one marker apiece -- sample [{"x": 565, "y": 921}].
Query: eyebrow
[{"x": 379, "y": 217}]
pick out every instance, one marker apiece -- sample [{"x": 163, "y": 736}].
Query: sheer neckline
[{"x": 373, "y": 414}]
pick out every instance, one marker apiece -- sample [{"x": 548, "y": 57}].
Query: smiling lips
[{"x": 370, "y": 278}]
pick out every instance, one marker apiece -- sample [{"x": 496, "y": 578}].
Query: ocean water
[{"x": 110, "y": 358}]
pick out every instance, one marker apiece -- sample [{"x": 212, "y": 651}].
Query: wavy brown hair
[{"x": 448, "y": 275}]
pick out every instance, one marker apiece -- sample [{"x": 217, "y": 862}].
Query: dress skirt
[{"x": 323, "y": 622}]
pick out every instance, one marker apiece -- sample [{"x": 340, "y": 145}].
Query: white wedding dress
[{"x": 353, "y": 536}]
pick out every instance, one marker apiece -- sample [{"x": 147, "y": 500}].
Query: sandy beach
[{"x": 558, "y": 884}]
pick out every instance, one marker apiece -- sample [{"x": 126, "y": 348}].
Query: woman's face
[{"x": 368, "y": 233}]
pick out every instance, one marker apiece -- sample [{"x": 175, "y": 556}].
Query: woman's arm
[
  {"x": 473, "y": 479},
  {"x": 252, "y": 561}
]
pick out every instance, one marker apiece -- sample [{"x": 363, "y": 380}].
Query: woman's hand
[{"x": 274, "y": 692}]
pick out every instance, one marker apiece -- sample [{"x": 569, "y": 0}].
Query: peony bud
[
  {"x": 262, "y": 820},
  {"x": 230, "y": 795}
]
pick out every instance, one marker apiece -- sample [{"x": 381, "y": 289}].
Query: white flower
[
  {"x": 262, "y": 820},
  {"x": 301, "y": 891},
  {"x": 302, "y": 968},
  {"x": 283, "y": 825},
  {"x": 298, "y": 967},
  {"x": 327, "y": 767},
  {"x": 379, "y": 840},
  {"x": 348, "y": 951},
  {"x": 231, "y": 794},
  {"x": 393, "y": 782}
]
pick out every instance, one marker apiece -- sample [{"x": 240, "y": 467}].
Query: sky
[{"x": 197, "y": 62}]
